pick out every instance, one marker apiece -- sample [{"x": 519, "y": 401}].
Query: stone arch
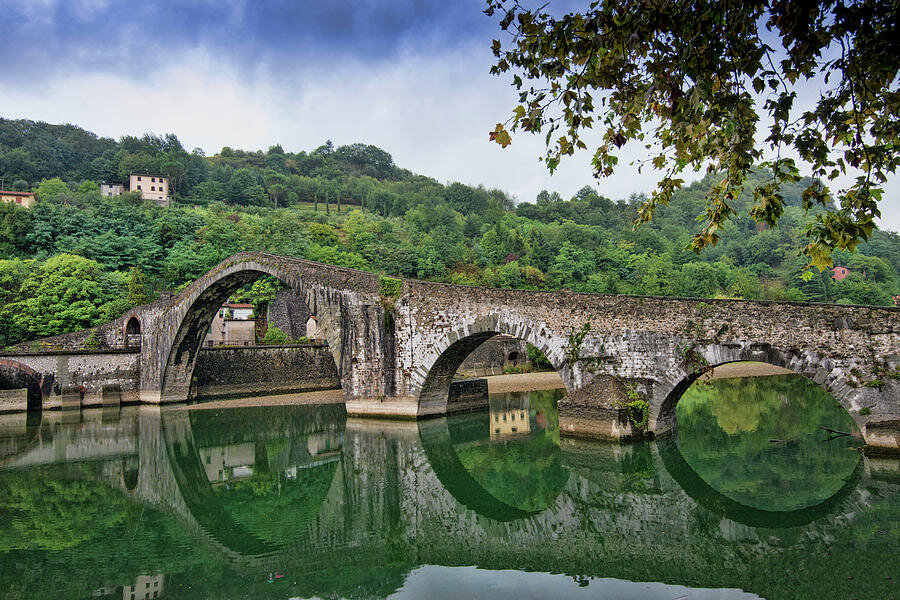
[
  {"x": 15, "y": 375},
  {"x": 194, "y": 311},
  {"x": 670, "y": 387},
  {"x": 133, "y": 332},
  {"x": 451, "y": 350},
  {"x": 133, "y": 326},
  {"x": 130, "y": 470}
]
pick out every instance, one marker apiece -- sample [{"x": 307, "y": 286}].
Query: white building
[
  {"x": 312, "y": 328},
  {"x": 151, "y": 187},
  {"x": 145, "y": 587},
  {"x": 233, "y": 325}
]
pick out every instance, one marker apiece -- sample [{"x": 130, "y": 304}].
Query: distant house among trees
[
  {"x": 151, "y": 187},
  {"x": 108, "y": 190},
  {"x": 24, "y": 199},
  {"x": 838, "y": 273}
]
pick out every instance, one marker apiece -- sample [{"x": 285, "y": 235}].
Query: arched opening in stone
[
  {"x": 222, "y": 316},
  {"x": 752, "y": 430},
  {"x": 722, "y": 504},
  {"x": 470, "y": 368},
  {"x": 133, "y": 333},
  {"x": 504, "y": 463},
  {"x": 19, "y": 382},
  {"x": 500, "y": 419}
]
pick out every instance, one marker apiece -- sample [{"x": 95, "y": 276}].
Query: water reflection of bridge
[{"x": 394, "y": 495}]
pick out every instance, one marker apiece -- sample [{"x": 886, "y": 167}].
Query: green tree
[
  {"x": 274, "y": 336},
  {"x": 176, "y": 173},
  {"x": 52, "y": 189},
  {"x": 261, "y": 293},
  {"x": 685, "y": 78},
  {"x": 66, "y": 293},
  {"x": 276, "y": 185},
  {"x": 15, "y": 224},
  {"x": 137, "y": 287}
]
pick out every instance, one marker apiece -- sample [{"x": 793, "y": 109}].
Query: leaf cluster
[{"x": 694, "y": 83}]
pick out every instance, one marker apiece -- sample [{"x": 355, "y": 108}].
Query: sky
[{"x": 409, "y": 76}]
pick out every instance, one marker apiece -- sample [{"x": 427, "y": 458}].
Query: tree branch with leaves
[{"x": 694, "y": 82}]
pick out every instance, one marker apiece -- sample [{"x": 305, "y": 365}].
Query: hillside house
[
  {"x": 839, "y": 273},
  {"x": 108, "y": 190},
  {"x": 23, "y": 199},
  {"x": 151, "y": 187}
]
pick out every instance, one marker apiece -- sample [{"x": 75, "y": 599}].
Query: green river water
[{"x": 748, "y": 500}]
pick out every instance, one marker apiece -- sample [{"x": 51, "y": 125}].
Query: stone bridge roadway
[
  {"x": 620, "y": 511},
  {"x": 396, "y": 351}
]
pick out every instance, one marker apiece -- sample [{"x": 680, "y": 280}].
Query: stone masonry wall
[
  {"x": 90, "y": 371},
  {"x": 288, "y": 312},
  {"x": 491, "y": 357},
  {"x": 265, "y": 370}
]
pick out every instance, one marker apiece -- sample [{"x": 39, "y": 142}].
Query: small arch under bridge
[{"x": 396, "y": 354}]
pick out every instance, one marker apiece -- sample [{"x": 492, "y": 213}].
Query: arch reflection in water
[
  {"x": 504, "y": 463},
  {"x": 255, "y": 478},
  {"x": 759, "y": 442},
  {"x": 621, "y": 515}
]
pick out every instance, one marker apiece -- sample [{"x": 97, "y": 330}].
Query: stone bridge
[{"x": 397, "y": 343}]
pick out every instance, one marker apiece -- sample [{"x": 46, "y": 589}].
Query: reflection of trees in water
[
  {"x": 277, "y": 506},
  {"x": 64, "y": 532},
  {"x": 48, "y": 513},
  {"x": 726, "y": 429},
  {"x": 524, "y": 471}
]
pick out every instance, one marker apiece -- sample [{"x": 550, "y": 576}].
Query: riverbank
[
  {"x": 524, "y": 382},
  {"x": 497, "y": 384},
  {"x": 303, "y": 398},
  {"x": 746, "y": 369}
]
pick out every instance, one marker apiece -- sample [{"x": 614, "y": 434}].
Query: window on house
[
  {"x": 152, "y": 188},
  {"x": 153, "y": 179},
  {"x": 139, "y": 187},
  {"x": 139, "y": 177}
]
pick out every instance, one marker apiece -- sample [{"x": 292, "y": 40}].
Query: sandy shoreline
[
  {"x": 303, "y": 398},
  {"x": 747, "y": 369},
  {"x": 500, "y": 384},
  {"x": 497, "y": 384}
]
